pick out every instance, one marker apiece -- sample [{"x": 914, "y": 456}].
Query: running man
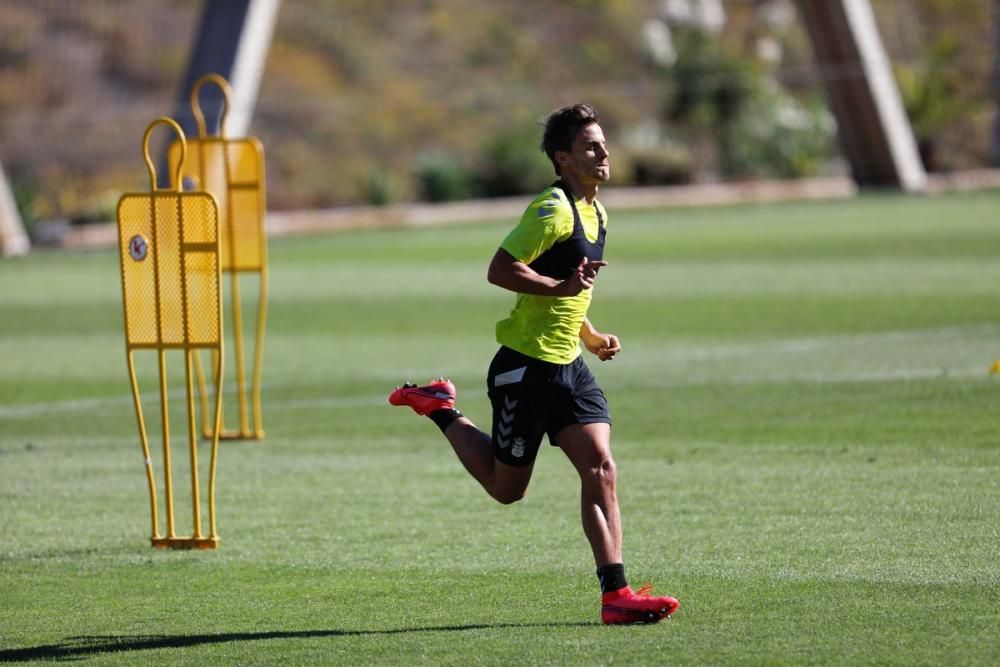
[{"x": 538, "y": 382}]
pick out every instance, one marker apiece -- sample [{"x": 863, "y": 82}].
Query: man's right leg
[{"x": 505, "y": 483}]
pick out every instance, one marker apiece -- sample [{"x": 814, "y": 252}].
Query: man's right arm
[{"x": 509, "y": 273}]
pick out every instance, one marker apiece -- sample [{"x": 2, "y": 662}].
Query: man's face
[{"x": 588, "y": 158}]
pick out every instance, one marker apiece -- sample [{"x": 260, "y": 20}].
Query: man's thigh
[
  {"x": 517, "y": 390},
  {"x": 580, "y": 400},
  {"x": 510, "y": 482},
  {"x": 588, "y": 446},
  {"x": 518, "y": 424}
]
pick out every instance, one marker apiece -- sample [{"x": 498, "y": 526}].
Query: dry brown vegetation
[{"x": 376, "y": 101}]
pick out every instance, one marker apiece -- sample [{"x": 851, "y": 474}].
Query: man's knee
[
  {"x": 509, "y": 496},
  {"x": 603, "y": 474},
  {"x": 510, "y": 483}
]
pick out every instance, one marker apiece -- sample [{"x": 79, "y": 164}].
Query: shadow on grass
[{"x": 75, "y": 648}]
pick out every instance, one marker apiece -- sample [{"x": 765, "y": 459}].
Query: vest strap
[{"x": 572, "y": 203}]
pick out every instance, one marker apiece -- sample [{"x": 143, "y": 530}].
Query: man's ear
[{"x": 562, "y": 158}]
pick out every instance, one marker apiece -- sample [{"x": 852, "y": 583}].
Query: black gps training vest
[{"x": 563, "y": 257}]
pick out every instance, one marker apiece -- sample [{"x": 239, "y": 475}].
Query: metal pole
[
  {"x": 233, "y": 39},
  {"x": 874, "y": 129},
  {"x": 13, "y": 239}
]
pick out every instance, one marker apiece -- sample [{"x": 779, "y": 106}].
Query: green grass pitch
[{"x": 807, "y": 435}]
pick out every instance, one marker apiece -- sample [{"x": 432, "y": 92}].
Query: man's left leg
[{"x": 588, "y": 447}]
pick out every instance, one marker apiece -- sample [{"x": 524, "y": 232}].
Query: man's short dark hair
[{"x": 562, "y": 126}]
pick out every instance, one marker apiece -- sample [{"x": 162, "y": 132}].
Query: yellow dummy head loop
[
  {"x": 163, "y": 120},
  {"x": 199, "y": 117}
]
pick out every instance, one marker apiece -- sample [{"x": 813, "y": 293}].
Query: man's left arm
[{"x": 605, "y": 346}]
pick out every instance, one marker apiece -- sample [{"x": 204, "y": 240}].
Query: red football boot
[
  {"x": 628, "y": 606},
  {"x": 438, "y": 395}
]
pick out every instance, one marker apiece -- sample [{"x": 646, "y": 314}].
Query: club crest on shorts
[{"x": 517, "y": 447}]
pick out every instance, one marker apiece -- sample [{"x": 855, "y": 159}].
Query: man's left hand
[{"x": 605, "y": 346}]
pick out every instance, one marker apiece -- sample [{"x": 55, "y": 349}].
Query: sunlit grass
[{"x": 805, "y": 429}]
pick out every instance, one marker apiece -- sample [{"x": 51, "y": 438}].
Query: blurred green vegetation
[
  {"x": 758, "y": 128},
  {"x": 944, "y": 53},
  {"x": 379, "y": 102},
  {"x": 931, "y": 94}
]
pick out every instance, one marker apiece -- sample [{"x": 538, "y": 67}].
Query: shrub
[
  {"x": 663, "y": 166},
  {"x": 755, "y": 127},
  {"x": 379, "y": 187},
  {"x": 511, "y": 163},
  {"x": 931, "y": 92},
  {"x": 775, "y": 136},
  {"x": 441, "y": 177},
  {"x": 706, "y": 87}
]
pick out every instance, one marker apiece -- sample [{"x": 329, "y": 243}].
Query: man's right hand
[{"x": 583, "y": 278}]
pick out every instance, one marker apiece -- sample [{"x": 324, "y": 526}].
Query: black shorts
[{"x": 531, "y": 397}]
